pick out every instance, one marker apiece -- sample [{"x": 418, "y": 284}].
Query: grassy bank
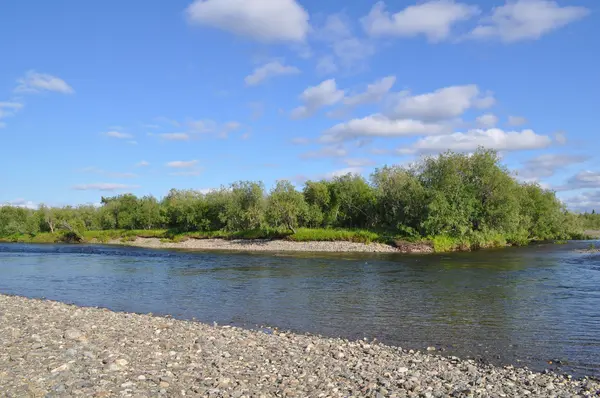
[{"x": 439, "y": 244}]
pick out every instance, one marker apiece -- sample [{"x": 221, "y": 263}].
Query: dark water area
[{"x": 521, "y": 306}]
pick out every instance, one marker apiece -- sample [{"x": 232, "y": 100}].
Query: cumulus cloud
[
  {"x": 380, "y": 126},
  {"x": 143, "y": 163},
  {"x": 373, "y": 93},
  {"x": 104, "y": 186},
  {"x": 527, "y": 20},
  {"x": 546, "y": 165},
  {"x": 262, "y": 20},
  {"x": 268, "y": 70},
  {"x": 471, "y": 140},
  {"x": 445, "y": 103},
  {"x": 433, "y": 19},
  {"x": 347, "y": 50},
  {"x": 585, "y": 179},
  {"x": 118, "y": 135},
  {"x": 585, "y": 202},
  {"x": 182, "y": 164},
  {"x": 34, "y": 82},
  {"x": 316, "y": 97},
  {"x": 325, "y": 152},
  {"x": 488, "y": 120}
]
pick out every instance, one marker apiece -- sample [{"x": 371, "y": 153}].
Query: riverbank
[
  {"x": 267, "y": 245},
  {"x": 63, "y": 350}
]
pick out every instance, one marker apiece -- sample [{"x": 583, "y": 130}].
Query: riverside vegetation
[{"x": 451, "y": 201}]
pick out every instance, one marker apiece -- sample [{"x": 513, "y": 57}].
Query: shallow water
[{"x": 523, "y": 306}]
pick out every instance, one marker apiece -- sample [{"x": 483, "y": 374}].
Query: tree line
[{"x": 463, "y": 196}]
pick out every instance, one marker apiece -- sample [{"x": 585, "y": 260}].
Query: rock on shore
[{"x": 50, "y": 349}]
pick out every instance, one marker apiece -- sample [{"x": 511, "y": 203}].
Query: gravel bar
[
  {"x": 51, "y": 349},
  {"x": 266, "y": 245}
]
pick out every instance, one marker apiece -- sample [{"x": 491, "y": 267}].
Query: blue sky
[{"x": 102, "y": 98}]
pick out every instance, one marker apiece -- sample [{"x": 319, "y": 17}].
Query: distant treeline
[
  {"x": 591, "y": 221},
  {"x": 471, "y": 198}
]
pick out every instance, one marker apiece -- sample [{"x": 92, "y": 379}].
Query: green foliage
[
  {"x": 460, "y": 201},
  {"x": 359, "y": 236},
  {"x": 444, "y": 243}
]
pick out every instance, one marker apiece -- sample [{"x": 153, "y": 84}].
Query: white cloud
[
  {"x": 527, "y": 20},
  {"x": 487, "y": 120},
  {"x": 560, "y": 137},
  {"x": 262, "y": 20},
  {"x": 269, "y": 70},
  {"x": 325, "y": 152},
  {"x": 358, "y": 162},
  {"x": 445, "y": 103},
  {"x": 516, "y": 120},
  {"x": 587, "y": 201},
  {"x": 245, "y": 136},
  {"x": 34, "y": 82},
  {"x": 584, "y": 179},
  {"x": 182, "y": 164},
  {"x": 326, "y": 65},
  {"x": 14, "y": 106},
  {"x": 104, "y": 186},
  {"x": 143, "y": 163},
  {"x": 343, "y": 172},
  {"x": 380, "y": 126},
  {"x": 202, "y": 126},
  {"x": 314, "y": 98},
  {"x": 347, "y": 50},
  {"x": 471, "y": 140},
  {"x": 546, "y": 165},
  {"x": 118, "y": 134},
  {"x": 434, "y": 19},
  {"x": 8, "y": 109},
  {"x": 26, "y": 204},
  {"x": 373, "y": 93},
  {"x": 175, "y": 136}
]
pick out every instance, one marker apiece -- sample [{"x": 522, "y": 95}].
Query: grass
[{"x": 330, "y": 235}]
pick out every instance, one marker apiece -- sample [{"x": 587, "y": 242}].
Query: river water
[{"x": 521, "y": 306}]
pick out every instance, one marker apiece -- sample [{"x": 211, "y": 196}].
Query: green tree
[{"x": 285, "y": 206}]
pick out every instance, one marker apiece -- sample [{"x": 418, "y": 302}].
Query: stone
[{"x": 73, "y": 334}]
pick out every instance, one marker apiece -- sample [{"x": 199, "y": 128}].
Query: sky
[{"x": 109, "y": 97}]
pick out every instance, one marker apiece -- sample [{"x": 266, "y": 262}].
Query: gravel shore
[
  {"x": 275, "y": 245},
  {"x": 50, "y": 349}
]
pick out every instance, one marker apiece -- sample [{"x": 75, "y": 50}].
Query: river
[{"x": 522, "y": 306}]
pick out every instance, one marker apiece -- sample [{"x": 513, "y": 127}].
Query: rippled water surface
[{"x": 522, "y": 306}]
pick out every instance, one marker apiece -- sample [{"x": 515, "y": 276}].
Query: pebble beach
[{"x": 51, "y": 349}]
